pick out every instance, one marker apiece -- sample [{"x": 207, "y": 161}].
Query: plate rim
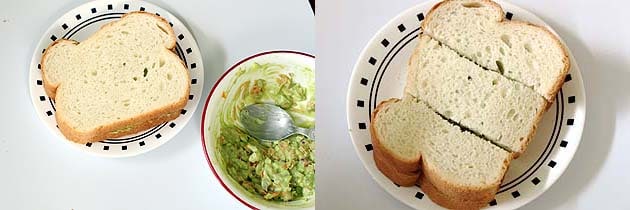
[
  {"x": 430, "y": 4},
  {"x": 205, "y": 109}
]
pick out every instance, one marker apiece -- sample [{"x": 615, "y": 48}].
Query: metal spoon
[{"x": 269, "y": 122}]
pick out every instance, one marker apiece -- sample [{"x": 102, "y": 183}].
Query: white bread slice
[
  {"x": 523, "y": 52},
  {"x": 121, "y": 80},
  {"x": 504, "y": 111},
  {"x": 458, "y": 164}
]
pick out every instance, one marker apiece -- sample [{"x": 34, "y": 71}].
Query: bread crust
[
  {"x": 401, "y": 172},
  {"x": 397, "y": 163},
  {"x": 429, "y": 16},
  {"x": 549, "y": 96},
  {"x": 412, "y": 67},
  {"x": 136, "y": 124},
  {"x": 445, "y": 201},
  {"x": 405, "y": 179},
  {"x": 127, "y": 126},
  {"x": 49, "y": 87},
  {"x": 451, "y": 195},
  {"x": 539, "y": 115}
]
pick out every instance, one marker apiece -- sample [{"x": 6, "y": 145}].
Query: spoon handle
[{"x": 310, "y": 133}]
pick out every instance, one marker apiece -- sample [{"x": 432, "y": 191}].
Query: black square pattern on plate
[
  {"x": 124, "y": 147},
  {"x": 172, "y": 125},
  {"x": 372, "y": 60},
  {"x": 64, "y": 26},
  {"x": 170, "y": 24},
  {"x": 39, "y": 82},
  {"x": 190, "y": 97},
  {"x": 552, "y": 164},
  {"x": 42, "y": 98},
  {"x": 193, "y": 65},
  {"x": 509, "y": 15},
  {"x": 535, "y": 181},
  {"x": 158, "y": 136},
  {"x": 515, "y": 194},
  {"x": 44, "y": 50},
  {"x": 78, "y": 17},
  {"x": 193, "y": 81},
  {"x": 567, "y": 78},
  {"x": 563, "y": 143},
  {"x": 571, "y": 99},
  {"x": 89, "y": 144},
  {"x": 364, "y": 81},
  {"x": 93, "y": 10},
  {"x": 141, "y": 143},
  {"x": 420, "y": 17},
  {"x": 419, "y": 195},
  {"x": 110, "y": 7},
  {"x": 180, "y": 37},
  {"x": 570, "y": 121},
  {"x": 493, "y": 202},
  {"x": 183, "y": 111},
  {"x": 401, "y": 28},
  {"x": 360, "y": 103},
  {"x": 368, "y": 147},
  {"x": 142, "y": 9},
  {"x": 188, "y": 51},
  {"x": 385, "y": 43},
  {"x": 53, "y": 37},
  {"x": 49, "y": 113},
  {"x": 158, "y": 14},
  {"x": 105, "y": 147},
  {"x": 39, "y": 66},
  {"x": 362, "y": 126},
  {"x": 126, "y": 6}
]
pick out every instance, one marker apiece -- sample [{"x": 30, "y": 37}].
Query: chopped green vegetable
[{"x": 279, "y": 171}]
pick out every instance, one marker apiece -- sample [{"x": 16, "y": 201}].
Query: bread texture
[
  {"x": 504, "y": 111},
  {"x": 457, "y": 163},
  {"x": 519, "y": 50},
  {"x": 121, "y": 80}
]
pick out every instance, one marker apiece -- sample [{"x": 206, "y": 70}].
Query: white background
[
  {"x": 597, "y": 33},
  {"x": 39, "y": 171}
]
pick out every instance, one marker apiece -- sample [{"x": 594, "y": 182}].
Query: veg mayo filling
[{"x": 277, "y": 171}]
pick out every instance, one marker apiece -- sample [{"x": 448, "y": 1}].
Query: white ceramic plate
[
  {"x": 210, "y": 114},
  {"x": 78, "y": 24},
  {"x": 380, "y": 73}
]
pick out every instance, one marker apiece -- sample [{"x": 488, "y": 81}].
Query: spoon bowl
[{"x": 269, "y": 122}]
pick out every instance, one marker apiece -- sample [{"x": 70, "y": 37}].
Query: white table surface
[
  {"x": 39, "y": 171},
  {"x": 597, "y": 33}
]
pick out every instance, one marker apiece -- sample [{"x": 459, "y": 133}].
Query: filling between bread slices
[
  {"x": 466, "y": 129},
  {"x": 133, "y": 126}
]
